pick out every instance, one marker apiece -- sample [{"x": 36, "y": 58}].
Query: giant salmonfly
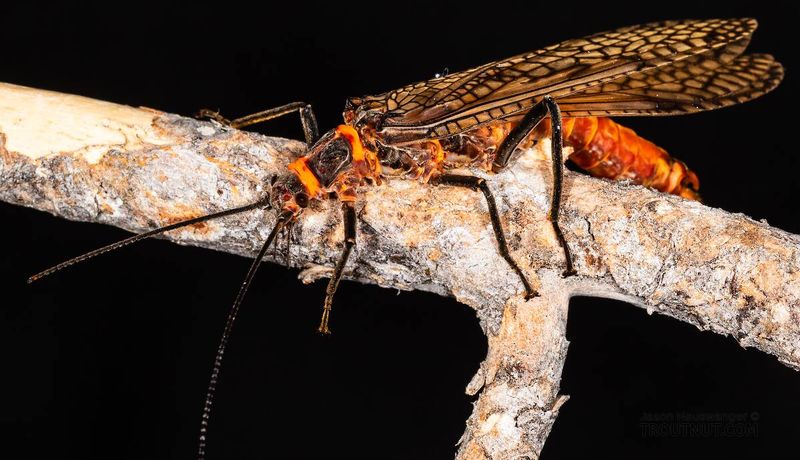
[{"x": 480, "y": 117}]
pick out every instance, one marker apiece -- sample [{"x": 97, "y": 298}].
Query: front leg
[
  {"x": 307, "y": 118},
  {"x": 537, "y": 113},
  {"x": 349, "y": 210}
]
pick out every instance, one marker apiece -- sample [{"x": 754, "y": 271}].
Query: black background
[{"x": 110, "y": 359}]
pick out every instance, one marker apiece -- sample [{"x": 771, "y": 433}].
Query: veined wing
[
  {"x": 507, "y": 88},
  {"x": 685, "y": 87}
]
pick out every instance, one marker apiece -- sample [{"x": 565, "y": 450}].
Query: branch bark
[{"x": 88, "y": 160}]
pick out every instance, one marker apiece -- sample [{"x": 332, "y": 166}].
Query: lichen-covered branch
[{"x": 137, "y": 168}]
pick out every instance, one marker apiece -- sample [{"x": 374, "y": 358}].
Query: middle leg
[
  {"x": 349, "y": 210},
  {"x": 477, "y": 183}
]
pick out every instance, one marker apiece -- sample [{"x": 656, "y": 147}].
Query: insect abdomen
[{"x": 607, "y": 149}]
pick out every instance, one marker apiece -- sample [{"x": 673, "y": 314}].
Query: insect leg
[
  {"x": 537, "y": 113},
  {"x": 307, "y": 118},
  {"x": 349, "y": 211},
  {"x": 287, "y": 254},
  {"x": 141, "y": 236},
  {"x": 283, "y": 218},
  {"x": 477, "y": 183}
]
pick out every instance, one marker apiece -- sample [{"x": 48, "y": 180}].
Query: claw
[
  {"x": 212, "y": 115},
  {"x": 323, "y": 323},
  {"x": 531, "y": 294}
]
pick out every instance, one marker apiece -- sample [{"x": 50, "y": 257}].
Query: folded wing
[
  {"x": 684, "y": 87},
  {"x": 654, "y": 69}
]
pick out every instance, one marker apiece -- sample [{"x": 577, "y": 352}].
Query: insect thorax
[{"x": 428, "y": 157}]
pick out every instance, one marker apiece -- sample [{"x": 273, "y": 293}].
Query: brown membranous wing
[
  {"x": 603, "y": 74},
  {"x": 685, "y": 87}
]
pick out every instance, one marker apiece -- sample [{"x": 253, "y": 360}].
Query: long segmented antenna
[
  {"x": 283, "y": 218},
  {"x": 141, "y": 236}
]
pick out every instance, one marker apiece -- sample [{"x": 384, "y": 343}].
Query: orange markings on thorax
[
  {"x": 306, "y": 176},
  {"x": 349, "y": 133},
  {"x": 365, "y": 162},
  {"x": 365, "y": 165}
]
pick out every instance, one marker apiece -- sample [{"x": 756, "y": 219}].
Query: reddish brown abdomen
[{"x": 604, "y": 148}]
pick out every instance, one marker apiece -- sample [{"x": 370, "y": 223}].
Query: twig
[{"x": 94, "y": 161}]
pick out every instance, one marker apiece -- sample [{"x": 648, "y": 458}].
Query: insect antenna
[
  {"x": 283, "y": 218},
  {"x": 141, "y": 236}
]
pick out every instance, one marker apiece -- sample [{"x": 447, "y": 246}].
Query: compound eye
[{"x": 301, "y": 199}]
